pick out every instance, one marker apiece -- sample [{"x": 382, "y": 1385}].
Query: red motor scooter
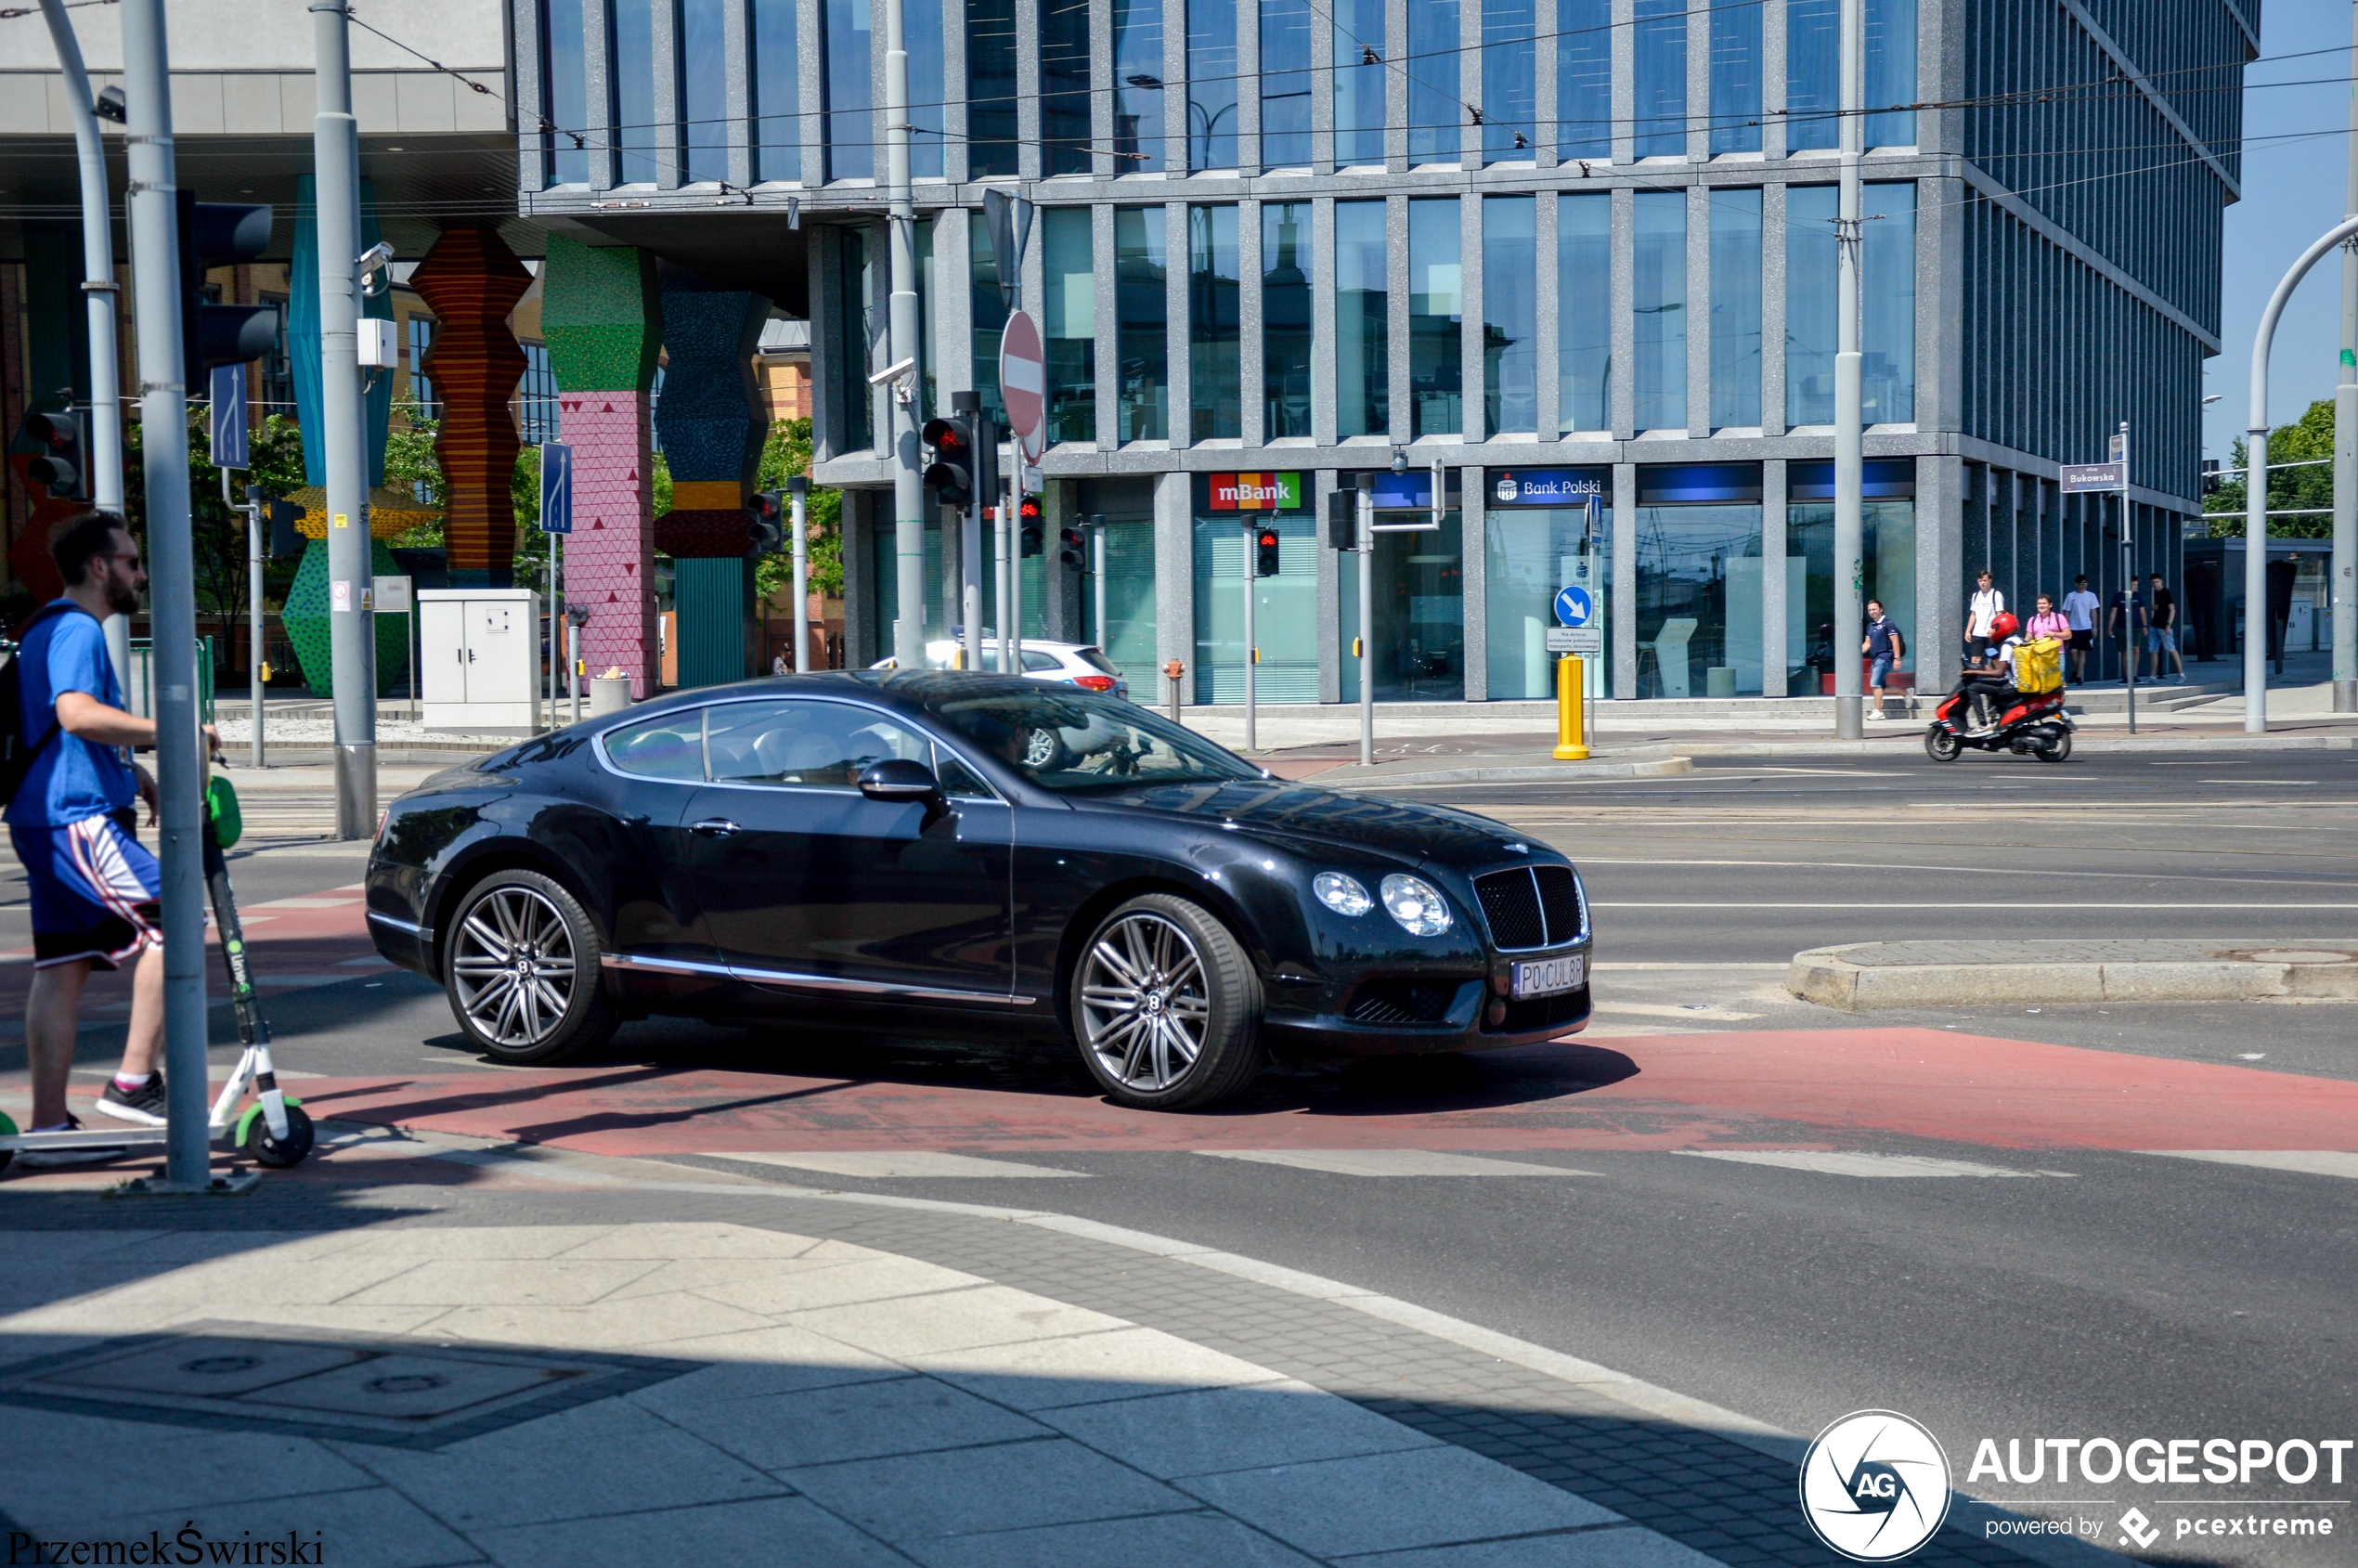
[{"x": 2031, "y": 724}]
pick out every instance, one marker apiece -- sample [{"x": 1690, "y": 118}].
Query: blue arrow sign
[
  {"x": 556, "y": 488},
  {"x": 229, "y": 432},
  {"x": 1574, "y": 608}
]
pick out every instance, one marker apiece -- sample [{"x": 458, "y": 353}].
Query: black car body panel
[{"x": 967, "y": 914}]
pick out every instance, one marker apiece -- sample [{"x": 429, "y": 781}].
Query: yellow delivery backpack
[{"x": 2039, "y": 665}]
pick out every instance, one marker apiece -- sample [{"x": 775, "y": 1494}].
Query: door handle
[{"x": 714, "y": 827}]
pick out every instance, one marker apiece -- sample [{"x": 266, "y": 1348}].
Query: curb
[
  {"x": 2082, "y": 742},
  {"x": 1557, "y": 773},
  {"x": 1828, "y": 978}
]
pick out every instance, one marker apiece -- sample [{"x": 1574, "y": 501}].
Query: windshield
[{"x": 1074, "y": 741}]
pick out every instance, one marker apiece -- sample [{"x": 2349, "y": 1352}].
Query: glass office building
[{"x": 1579, "y": 258}]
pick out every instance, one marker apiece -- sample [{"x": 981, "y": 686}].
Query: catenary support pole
[
  {"x": 908, "y": 482},
  {"x": 1366, "y": 621},
  {"x": 2256, "y": 495},
  {"x": 1097, "y": 579},
  {"x": 1849, "y": 432},
  {"x": 970, "y": 532},
  {"x": 798, "y": 501},
  {"x": 2130, "y": 643},
  {"x": 257, "y": 616},
  {"x": 2342, "y": 591},
  {"x": 1252, "y": 655},
  {"x": 335, "y": 150},
  {"x": 163, "y": 418}
]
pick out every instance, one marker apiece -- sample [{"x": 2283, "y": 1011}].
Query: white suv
[{"x": 1059, "y": 663}]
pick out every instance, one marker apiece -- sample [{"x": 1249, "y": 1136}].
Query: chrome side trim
[
  {"x": 410, "y": 926},
  {"x": 807, "y": 982}
]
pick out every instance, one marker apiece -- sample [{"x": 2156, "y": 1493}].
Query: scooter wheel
[
  {"x": 2057, "y": 750},
  {"x": 1942, "y": 745},
  {"x": 293, "y": 1149}
]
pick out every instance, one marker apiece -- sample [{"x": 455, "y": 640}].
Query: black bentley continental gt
[{"x": 962, "y": 855}]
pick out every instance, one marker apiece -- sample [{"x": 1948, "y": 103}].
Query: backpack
[
  {"x": 2039, "y": 665},
  {"x": 17, "y": 754}
]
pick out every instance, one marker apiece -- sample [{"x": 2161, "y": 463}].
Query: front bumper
[{"x": 1413, "y": 1013}]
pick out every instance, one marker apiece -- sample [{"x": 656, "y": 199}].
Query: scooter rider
[{"x": 1989, "y": 682}]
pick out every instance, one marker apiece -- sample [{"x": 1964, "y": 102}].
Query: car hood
[{"x": 1306, "y": 817}]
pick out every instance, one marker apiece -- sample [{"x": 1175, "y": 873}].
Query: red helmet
[{"x": 2003, "y": 625}]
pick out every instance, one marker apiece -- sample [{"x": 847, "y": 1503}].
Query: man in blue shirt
[{"x": 72, "y": 821}]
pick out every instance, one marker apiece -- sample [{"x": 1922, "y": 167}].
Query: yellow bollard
[{"x": 1571, "y": 711}]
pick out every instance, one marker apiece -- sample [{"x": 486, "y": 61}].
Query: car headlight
[
  {"x": 1417, "y": 904},
  {"x": 1342, "y": 894}
]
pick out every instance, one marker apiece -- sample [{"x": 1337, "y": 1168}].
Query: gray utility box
[{"x": 479, "y": 654}]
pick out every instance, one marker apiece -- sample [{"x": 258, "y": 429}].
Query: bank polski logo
[{"x": 1874, "y": 1485}]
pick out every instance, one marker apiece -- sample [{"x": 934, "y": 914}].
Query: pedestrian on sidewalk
[
  {"x": 2125, "y": 621},
  {"x": 1988, "y": 604},
  {"x": 2079, "y": 610},
  {"x": 2161, "y": 631},
  {"x": 2047, "y": 621},
  {"x": 1885, "y": 647},
  {"x": 73, "y": 819}
]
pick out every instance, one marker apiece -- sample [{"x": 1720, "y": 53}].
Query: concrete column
[
  {"x": 473, "y": 281},
  {"x": 1249, "y": 368},
  {"x": 1543, "y": 107},
  {"x": 1182, "y": 385},
  {"x": 1475, "y": 422},
  {"x": 665, "y": 134},
  {"x": 1698, "y": 311},
  {"x": 1772, "y": 80},
  {"x": 736, "y": 52},
  {"x": 1622, "y": 614},
  {"x": 864, "y": 641},
  {"x": 1472, "y": 532},
  {"x": 597, "y": 71},
  {"x": 953, "y": 112},
  {"x": 1625, "y": 96},
  {"x": 1396, "y": 311},
  {"x": 1469, "y": 83},
  {"x": 1940, "y": 584},
  {"x": 1101, "y": 100},
  {"x": 1175, "y": 581},
  {"x": 953, "y": 338},
  {"x": 1029, "y": 165},
  {"x": 1322, "y": 98},
  {"x": 1772, "y": 303},
  {"x": 1249, "y": 158},
  {"x": 1323, "y": 394},
  {"x": 1625, "y": 296},
  {"x": 1775, "y": 613},
  {"x": 1698, "y": 85},
  {"x": 1108, "y": 333},
  {"x": 1334, "y": 643},
  {"x": 1548, "y": 320},
  {"x": 1395, "y": 93},
  {"x": 531, "y": 98},
  {"x": 1175, "y": 104},
  {"x": 810, "y": 88}
]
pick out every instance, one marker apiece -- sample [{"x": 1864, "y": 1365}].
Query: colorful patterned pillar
[
  {"x": 602, "y": 319},
  {"x": 713, "y": 420},
  {"x": 471, "y": 282}
]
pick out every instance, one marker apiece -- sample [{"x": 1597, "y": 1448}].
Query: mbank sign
[{"x": 1256, "y": 492}]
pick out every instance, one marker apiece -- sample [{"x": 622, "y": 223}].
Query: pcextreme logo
[{"x": 1874, "y": 1486}]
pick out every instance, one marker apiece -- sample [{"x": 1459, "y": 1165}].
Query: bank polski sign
[{"x": 1547, "y": 487}]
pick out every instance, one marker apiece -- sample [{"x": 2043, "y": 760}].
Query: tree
[
  {"x": 2299, "y": 489},
  {"x": 218, "y": 534},
  {"x": 785, "y": 453}
]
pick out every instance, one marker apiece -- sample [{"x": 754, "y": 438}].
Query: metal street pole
[
  {"x": 163, "y": 419},
  {"x": 2255, "y": 484},
  {"x": 1849, "y": 429},
  {"x": 2342, "y": 591},
  {"x": 970, "y": 532},
  {"x": 2129, "y": 643},
  {"x": 335, "y": 151},
  {"x": 798, "y": 502},
  {"x": 256, "y": 614},
  {"x": 908, "y": 481},
  {"x": 556, "y": 621},
  {"x": 1252, "y": 542},
  {"x": 1366, "y": 621},
  {"x": 1098, "y": 574},
  {"x": 1015, "y": 562}
]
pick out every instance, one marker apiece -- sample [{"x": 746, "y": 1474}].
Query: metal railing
[{"x": 138, "y": 695}]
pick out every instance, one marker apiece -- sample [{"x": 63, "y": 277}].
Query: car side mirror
[{"x": 902, "y": 782}]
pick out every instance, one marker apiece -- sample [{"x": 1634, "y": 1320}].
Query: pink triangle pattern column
[{"x": 610, "y": 554}]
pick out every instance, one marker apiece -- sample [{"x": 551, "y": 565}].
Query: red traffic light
[{"x": 1266, "y": 552}]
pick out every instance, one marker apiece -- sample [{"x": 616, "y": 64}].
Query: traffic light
[
  {"x": 1035, "y": 527},
  {"x": 951, "y": 468},
  {"x": 1264, "y": 545},
  {"x": 2210, "y": 480},
  {"x": 1075, "y": 554},
  {"x": 58, "y": 464},
  {"x": 1343, "y": 520},
  {"x": 769, "y": 510},
  {"x": 216, "y": 234}
]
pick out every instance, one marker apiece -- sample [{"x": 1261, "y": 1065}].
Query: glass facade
[
  {"x": 991, "y": 88},
  {"x": 1137, "y": 94},
  {"x": 1661, "y": 304},
  {"x": 1436, "y": 319},
  {"x": 777, "y": 91},
  {"x": 1362, "y": 335},
  {"x": 1285, "y": 319},
  {"x": 704, "y": 88},
  {"x": 1699, "y": 600},
  {"x": 1509, "y": 78},
  {"x": 1659, "y": 40},
  {"x": 1735, "y": 309},
  {"x": 852, "y": 124},
  {"x": 927, "y": 86},
  {"x": 1142, "y": 303},
  {"x": 1813, "y": 73},
  {"x": 1887, "y": 315},
  {"x": 1888, "y": 538},
  {"x": 1419, "y": 643},
  {"x": 567, "y": 75},
  {"x": 1361, "y": 81},
  {"x": 1509, "y": 314},
  {"x": 1735, "y": 77},
  {"x": 1285, "y": 624},
  {"x": 1434, "y": 115},
  {"x": 1529, "y": 554},
  {"x": 988, "y": 308},
  {"x": 1812, "y": 322},
  {"x": 1211, "y": 84},
  {"x": 1214, "y": 384},
  {"x": 1583, "y": 313},
  {"x": 631, "y": 46},
  {"x": 862, "y": 324},
  {"x": 1284, "y": 83},
  {"x": 1069, "y": 323},
  {"x": 1064, "y": 87},
  {"x": 1128, "y": 636},
  {"x": 1584, "y": 79}
]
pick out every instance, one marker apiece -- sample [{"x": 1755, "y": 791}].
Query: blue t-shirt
[
  {"x": 70, "y": 779},
  {"x": 1879, "y": 637}
]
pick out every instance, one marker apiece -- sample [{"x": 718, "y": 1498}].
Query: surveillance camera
[{"x": 907, "y": 368}]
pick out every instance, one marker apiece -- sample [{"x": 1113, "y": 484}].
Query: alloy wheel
[
  {"x": 513, "y": 967},
  {"x": 1144, "y": 1007}
]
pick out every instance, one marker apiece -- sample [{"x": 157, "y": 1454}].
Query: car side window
[
  {"x": 958, "y": 781},
  {"x": 670, "y": 746},
  {"x": 798, "y": 742}
]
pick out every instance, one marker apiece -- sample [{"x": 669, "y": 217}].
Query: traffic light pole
[
  {"x": 1097, "y": 577},
  {"x": 336, "y": 157},
  {"x": 1253, "y": 732},
  {"x": 1849, "y": 399},
  {"x": 798, "y": 500},
  {"x": 970, "y": 530},
  {"x": 254, "y": 614},
  {"x": 908, "y": 485},
  {"x": 1366, "y": 621},
  {"x": 98, "y": 266},
  {"x": 163, "y": 416}
]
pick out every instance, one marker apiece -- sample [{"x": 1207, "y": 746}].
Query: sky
[{"x": 2295, "y": 184}]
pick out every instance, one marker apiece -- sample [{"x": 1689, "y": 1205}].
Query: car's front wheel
[
  {"x": 522, "y": 974},
  {"x": 1167, "y": 1006}
]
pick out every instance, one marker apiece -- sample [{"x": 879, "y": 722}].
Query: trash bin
[{"x": 608, "y": 693}]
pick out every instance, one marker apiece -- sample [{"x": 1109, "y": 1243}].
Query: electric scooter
[
  {"x": 2032, "y": 724},
  {"x": 273, "y": 1129}
]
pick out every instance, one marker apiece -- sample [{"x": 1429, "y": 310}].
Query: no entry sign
[{"x": 1023, "y": 379}]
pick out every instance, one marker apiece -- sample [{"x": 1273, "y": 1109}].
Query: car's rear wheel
[
  {"x": 521, "y": 973},
  {"x": 1167, "y": 1006}
]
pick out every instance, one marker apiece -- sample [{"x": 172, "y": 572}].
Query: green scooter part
[
  {"x": 227, "y": 824},
  {"x": 252, "y": 1115}
]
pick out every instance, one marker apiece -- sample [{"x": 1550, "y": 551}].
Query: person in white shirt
[
  {"x": 2079, "y": 608},
  {"x": 1988, "y": 603}
]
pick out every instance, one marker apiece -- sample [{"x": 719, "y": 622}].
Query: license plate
[{"x": 1545, "y": 977}]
